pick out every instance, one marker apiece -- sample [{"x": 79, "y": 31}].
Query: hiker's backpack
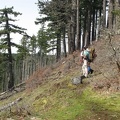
[
  {"x": 92, "y": 54},
  {"x": 87, "y": 54}
]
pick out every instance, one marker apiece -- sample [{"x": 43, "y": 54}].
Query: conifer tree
[
  {"x": 55, "y": 13},
  {"x": 6, "y": 29}
]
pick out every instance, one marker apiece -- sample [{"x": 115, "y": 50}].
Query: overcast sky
[{"x": 29, "y": 11}]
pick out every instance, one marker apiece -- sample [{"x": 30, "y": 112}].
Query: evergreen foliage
[{"x": 6, "y": 44}]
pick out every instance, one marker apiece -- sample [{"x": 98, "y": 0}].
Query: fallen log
[
  {"x": 10, "y": 104},
  {"x": 17, "y": 88}
]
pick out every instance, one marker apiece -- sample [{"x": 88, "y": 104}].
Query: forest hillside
[{"x": 50, "y": 95}]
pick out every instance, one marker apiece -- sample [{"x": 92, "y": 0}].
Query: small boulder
[{"x": 77, "y": 80}]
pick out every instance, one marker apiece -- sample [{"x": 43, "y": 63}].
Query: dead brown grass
[{"x": 106, "y": 64}]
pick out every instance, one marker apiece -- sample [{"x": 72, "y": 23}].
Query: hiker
[{"x": 85, "y": 59}]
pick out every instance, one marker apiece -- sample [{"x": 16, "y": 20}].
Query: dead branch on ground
[
  {"x": 10, "y": 104},
  {"x": 18, "y": 88}
]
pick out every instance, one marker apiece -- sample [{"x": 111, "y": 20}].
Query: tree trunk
[
  {"x": 58, "y": 47},
  {"x": 69, "y": 37},
  {"x": 93, "y": 25},
  {"x": 64, "y": 43},
  {"x": 89, "y": 26},
  {"x": 117, "y": 18},
  {"x": 110, "y": 14},
  {"x": 98, "y": 24},
  {"x": 85, "y": 33},
  {"x": 72, "y": 27},
  {"x": 11, "y": 79},
  {"x": 104, "y": 13},
  {"x": 78, "y": 27}
]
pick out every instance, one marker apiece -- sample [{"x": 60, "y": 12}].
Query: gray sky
[{"x": 29, "y": 11}]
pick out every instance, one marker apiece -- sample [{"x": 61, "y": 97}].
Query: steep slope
[{"x": 50, "y": 94}]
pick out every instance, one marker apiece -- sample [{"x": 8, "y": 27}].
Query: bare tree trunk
[
  {"x": 98, "y": 24},
  {"x": 64, "y": 43},
  {"x": 117, "y": 17},
  {"x": 69, "y": 38},
  {"x": 5, "y": 81},
  {"x": 110, "y": 14},
  {"x": 89, "y": 25},
  {"x": 85, "y": 32},
  {"x": 72, "y": 27},
  {"x": 78, "y": 27},
  {"x": 58, "y": 47},
  {"x": 93, "y": 25},
  {"x": 104, "y": 13},
  {"x": 23, "y": 71}
]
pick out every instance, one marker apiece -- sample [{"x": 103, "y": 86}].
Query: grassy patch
[
  {"x": 60, "y": 100},
  {"x": 62, "y": 105}
]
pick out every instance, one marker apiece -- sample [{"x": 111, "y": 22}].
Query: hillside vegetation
[{"x": 50, "y": 94}]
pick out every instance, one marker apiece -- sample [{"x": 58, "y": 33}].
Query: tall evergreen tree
[
  {"x": 6, "y": 29},
  {"x": 55, "y": 13}
]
